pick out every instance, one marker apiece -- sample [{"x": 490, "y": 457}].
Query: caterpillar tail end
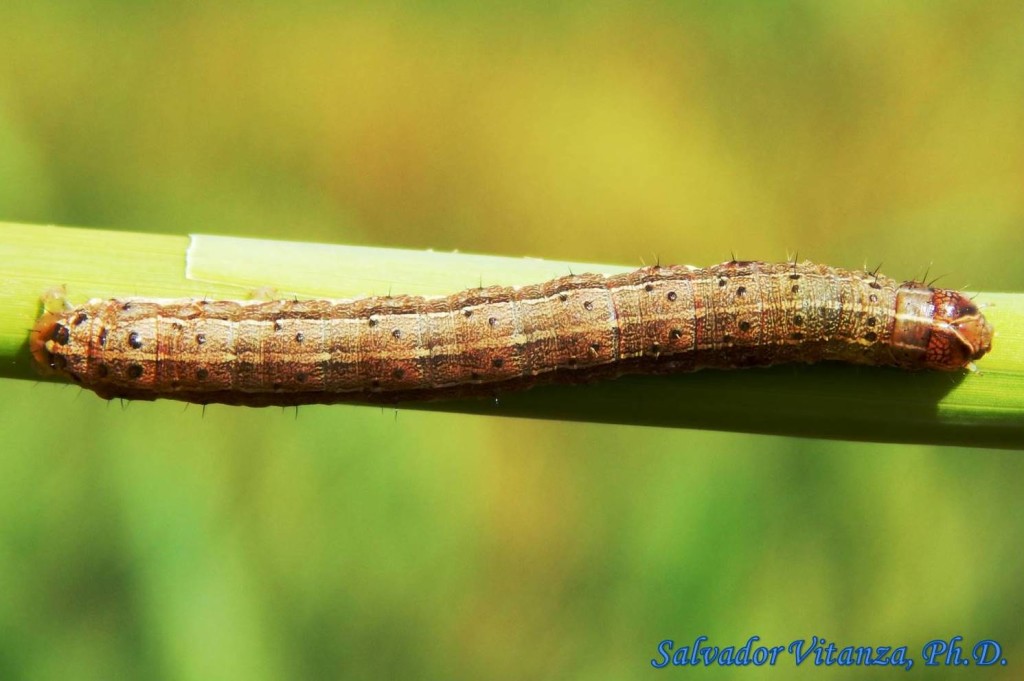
[{"x": 54, "y": 303}]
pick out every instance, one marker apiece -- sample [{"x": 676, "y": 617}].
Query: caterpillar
[{"x": 485, "y": 341}]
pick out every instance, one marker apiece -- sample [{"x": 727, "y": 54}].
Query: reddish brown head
[
  {"x": 938, "y": 329},
  {"x": 960, "y": 333}
]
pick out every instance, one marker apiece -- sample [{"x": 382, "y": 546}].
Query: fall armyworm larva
[{"x": 486, "y": 341}]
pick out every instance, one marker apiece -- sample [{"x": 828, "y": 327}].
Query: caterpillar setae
[{"x": 574, "y": 329}]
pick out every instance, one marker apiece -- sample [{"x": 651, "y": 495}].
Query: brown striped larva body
[{"x": 486, "y": 341}]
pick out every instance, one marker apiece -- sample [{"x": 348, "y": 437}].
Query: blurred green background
[{"x": 158, "y": 542}]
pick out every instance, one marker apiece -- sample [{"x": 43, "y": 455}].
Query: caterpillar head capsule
[
  {"x": 960, "y": 334},
  {"x": 938, "y": 329}
]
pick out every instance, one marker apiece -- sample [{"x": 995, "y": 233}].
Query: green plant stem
[{"x": 827, "y": 400}]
